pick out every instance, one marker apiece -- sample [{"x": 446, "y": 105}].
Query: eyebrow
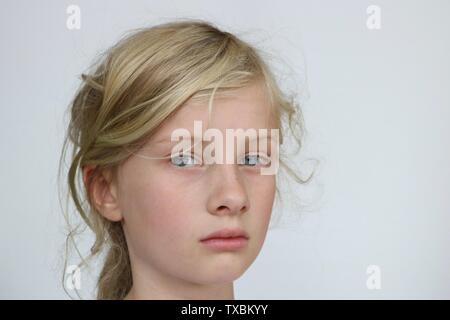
[
  {"x": 165, "y": 140},
  {"x": 168, "y": 140}
]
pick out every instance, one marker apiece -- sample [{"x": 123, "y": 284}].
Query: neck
[
  {"x": 152, "y": 284},
  {"x": 224, "y": 293},
  {"x": 143, "y": 291}
]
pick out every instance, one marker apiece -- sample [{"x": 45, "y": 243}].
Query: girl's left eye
[{"x": 253, "y": 160}]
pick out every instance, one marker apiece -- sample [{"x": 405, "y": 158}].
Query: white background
[{"x": 377, "y": 117}]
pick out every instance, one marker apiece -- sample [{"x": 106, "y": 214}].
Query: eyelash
[{"x": 264, "y": 157}]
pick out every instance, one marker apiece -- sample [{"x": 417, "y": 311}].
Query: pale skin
[{"x": 165, "y": 209}]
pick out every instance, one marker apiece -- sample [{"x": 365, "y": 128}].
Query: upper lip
[{"x": 227, "y": 233}]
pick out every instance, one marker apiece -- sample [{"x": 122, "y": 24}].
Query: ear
[{"x": 102, "y": 191}]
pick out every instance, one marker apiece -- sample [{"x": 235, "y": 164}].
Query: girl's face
[{"x": 167, "y": 208}]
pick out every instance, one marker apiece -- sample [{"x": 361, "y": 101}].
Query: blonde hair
[{"x": 134, "y": 86}]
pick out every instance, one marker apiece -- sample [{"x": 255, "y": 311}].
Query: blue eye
[
  {"x": 183, "y": 160},
  {"x": 253, "y": 160}
]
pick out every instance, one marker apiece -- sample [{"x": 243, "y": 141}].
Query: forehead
[{"x": 247, "y": 107}]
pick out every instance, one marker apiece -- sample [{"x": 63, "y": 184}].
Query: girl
[{"x": 173, "y": 227}]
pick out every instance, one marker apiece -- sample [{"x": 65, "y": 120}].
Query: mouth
[{"x": 226, "y": 240}]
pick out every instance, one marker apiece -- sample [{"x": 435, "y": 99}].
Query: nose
[{"x": 228, "y": 194}]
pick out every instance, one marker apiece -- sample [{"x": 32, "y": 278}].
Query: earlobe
[{"x": 102, "y": 190}]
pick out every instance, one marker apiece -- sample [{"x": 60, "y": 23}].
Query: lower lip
[{"x": 234, "y": 243}]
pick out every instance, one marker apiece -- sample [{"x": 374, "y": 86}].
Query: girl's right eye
[{"x": 184, "y": 160}]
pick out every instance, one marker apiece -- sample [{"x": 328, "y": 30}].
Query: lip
[{"x": 226, "y": 239}]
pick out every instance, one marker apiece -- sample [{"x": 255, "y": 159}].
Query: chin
[
  {"x": 221, "y": 278},
  {"x": 225, "y": 273}
]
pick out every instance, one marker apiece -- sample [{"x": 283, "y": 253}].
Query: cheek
[
  {"x": 263, "y": 194},
  {"x": 261, "y": 199},
  {"x": 157, "y": 209}
]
